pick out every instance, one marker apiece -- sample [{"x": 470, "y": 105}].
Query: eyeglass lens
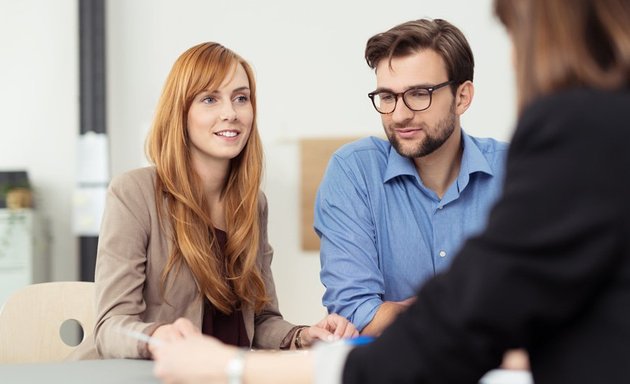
[{"x": 416, "y": 99}]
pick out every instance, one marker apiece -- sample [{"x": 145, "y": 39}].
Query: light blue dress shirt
[{"x": 383, "y": 232}]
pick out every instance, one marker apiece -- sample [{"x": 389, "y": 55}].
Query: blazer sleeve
[
  {"x": 120, "y": 268},
  {"x": 552, "y": 246},
  {"x": 270, "y": 329}
]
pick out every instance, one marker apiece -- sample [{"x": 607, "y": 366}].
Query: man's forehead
[{"x": 418, "y": 68}]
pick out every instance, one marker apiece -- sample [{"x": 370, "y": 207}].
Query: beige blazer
[{"x": 132, "y": 252}]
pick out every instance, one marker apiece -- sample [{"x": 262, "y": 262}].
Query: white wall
[
  {"x": 39, "y": 112},
  {"x": 312, "y": 81}
]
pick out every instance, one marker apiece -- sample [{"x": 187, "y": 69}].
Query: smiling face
[
  {"x": 220, "y": 120},
  {"x": 418, "y": 134}
]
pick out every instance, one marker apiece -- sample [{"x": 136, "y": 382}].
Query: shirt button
[
  {"x": 442, "y": 253},
  {"x": 440, "y": 207}
]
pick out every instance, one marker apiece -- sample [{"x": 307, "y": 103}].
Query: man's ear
[{"x": 464, "y": 96}]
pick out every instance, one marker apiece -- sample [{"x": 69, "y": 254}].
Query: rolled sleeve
[{"x": 349, "y": 258}]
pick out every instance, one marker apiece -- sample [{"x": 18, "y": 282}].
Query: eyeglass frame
[{"x": 430, "y": 89}]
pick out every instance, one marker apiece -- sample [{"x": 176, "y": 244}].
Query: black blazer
[{"x": 551, "y": 272}]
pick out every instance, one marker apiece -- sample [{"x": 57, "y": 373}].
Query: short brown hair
[
  {"x": 560, "y": 44},
  {"x": 413, "y": 36}
]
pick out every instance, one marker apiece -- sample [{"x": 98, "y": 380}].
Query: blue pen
[{"x": 360, "y": 340}]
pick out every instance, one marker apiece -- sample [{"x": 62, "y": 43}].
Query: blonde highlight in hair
[
  {"x": 238, "y": 279},
  {"x": 561, "y": 44}
]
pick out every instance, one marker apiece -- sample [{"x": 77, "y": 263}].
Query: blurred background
[{"x": 312, "y": 83}]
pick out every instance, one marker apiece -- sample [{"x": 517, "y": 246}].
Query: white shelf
[{"x": 23, "y": 258}]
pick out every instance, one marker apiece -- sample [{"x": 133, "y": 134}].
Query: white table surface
[
  {"x": 125, "y": 371},
  {"x": 80, "y": 372}
]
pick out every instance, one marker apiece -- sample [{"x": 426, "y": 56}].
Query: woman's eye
[
  {"x": 242, "y": 99},
  {"x": 209, "y": 100}
]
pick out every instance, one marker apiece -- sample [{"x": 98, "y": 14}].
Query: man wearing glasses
[{"x": 392, "y": 213}]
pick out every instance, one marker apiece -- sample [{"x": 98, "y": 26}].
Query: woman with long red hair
[{"x": 183, "y": 245}]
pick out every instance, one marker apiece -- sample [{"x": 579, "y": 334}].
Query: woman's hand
[
  {"x": 177, "y": 330},
  {"x": 331, "y": 327},
  {"x": 193, "y": 359}
]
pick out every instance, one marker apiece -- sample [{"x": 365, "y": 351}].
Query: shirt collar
[
  {"x": 472, "y": 161},
  {"x": 398, "y": 165}
]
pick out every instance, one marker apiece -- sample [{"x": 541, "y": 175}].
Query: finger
[
  {"x": 165, "y": 333},
  {"x": 340, "y": 329},
  {"x": 185, "y": 327},
  {"x": 339, "y": 325},
  {"x": 316, "y": 333},
  {"x": 332, "y": 321},
  {"x": 171, "y": 334},
  {"x": 350, "y": 331}
]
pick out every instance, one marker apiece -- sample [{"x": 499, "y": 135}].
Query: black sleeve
[{"x": 551, "y": 244}]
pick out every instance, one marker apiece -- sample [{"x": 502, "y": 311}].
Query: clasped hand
[{"x": 330, "y": 328}]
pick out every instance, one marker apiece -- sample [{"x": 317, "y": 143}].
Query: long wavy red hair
[{"x": 236, "y": 278}]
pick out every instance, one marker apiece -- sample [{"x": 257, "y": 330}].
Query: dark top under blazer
[{"x": 551, "y": 273}]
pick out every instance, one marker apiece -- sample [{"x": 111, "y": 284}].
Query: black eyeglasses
[{"x": 416, "y": 98}]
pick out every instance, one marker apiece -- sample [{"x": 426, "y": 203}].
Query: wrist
[
  {"x": 299, "y": 340},
  {"x": 235, "y": 368}
]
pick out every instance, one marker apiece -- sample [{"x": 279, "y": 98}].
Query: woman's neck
[{"x": 213, "y": 175}]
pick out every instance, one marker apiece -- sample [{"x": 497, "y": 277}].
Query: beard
[{"x": 434, "y": 137}]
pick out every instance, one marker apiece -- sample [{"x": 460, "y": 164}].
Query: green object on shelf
[{"x": 15, "y": 188}]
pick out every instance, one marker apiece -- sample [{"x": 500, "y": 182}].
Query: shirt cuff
[{"x": 364, "y": 314}]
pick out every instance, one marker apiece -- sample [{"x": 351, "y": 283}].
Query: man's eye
[
  {"x": 387, "y": 97},
  {"x": 417, "y": 93}
]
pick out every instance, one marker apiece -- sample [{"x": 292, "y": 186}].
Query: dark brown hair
[
  {"x": 414, "y": 36},
  {"x": 560, "y": 44}
]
